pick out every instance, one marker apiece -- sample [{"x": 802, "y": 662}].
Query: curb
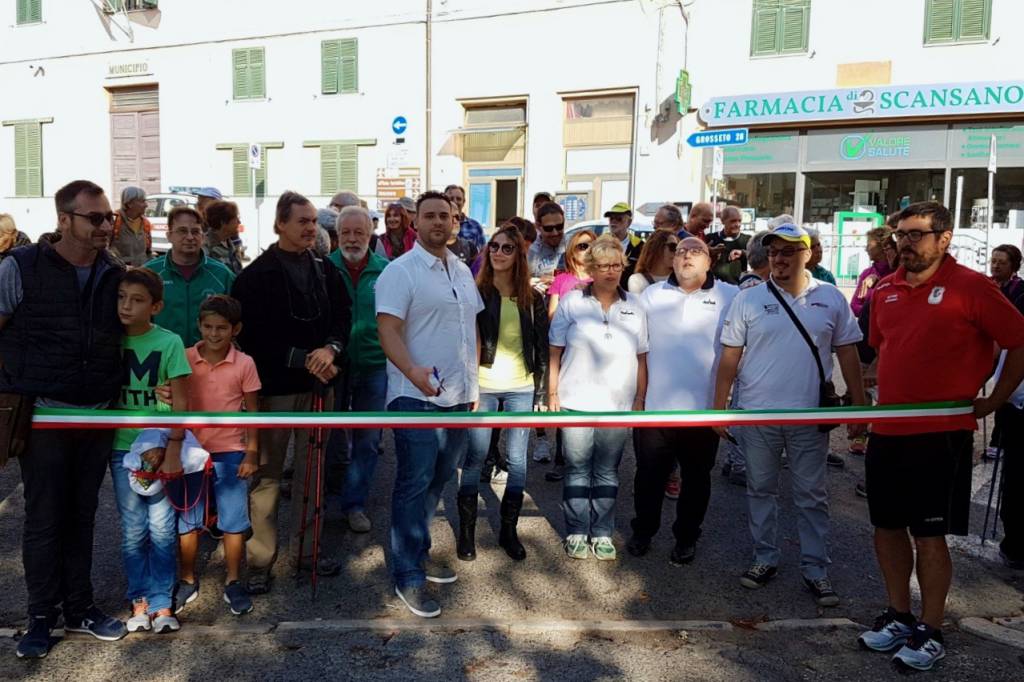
[
  {"x": 991, "y": 631},
  {"x": 506, "y": 626},
  {"x": 806, "y": 623}
]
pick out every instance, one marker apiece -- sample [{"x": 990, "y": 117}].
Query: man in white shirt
[
  {"x": 772, "y": 366},
  {"x": 427, "y": 304},
  {"x": 684, "y": 323}
]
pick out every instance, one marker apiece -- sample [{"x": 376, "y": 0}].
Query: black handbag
[{"x": 827, "y": 396}]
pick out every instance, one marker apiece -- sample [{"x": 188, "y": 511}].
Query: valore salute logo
[{"x": 872, "y": 145}]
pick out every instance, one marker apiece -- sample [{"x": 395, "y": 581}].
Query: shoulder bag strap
[{"x": 800, "y": 328}]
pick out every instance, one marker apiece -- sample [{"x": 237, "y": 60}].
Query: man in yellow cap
[{"x": 619, "y": 219}]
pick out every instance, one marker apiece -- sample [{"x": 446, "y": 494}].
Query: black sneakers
[
  {"x": 682, "y": 554},
  {"x": 35, "y": 643},
  {"x": 758, "y": 575},
  {"x": 822, "y": 590}
]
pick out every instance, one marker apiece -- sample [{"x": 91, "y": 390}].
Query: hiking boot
[
  {"x": 439, "y": 573},
  {"x": 418, "y": 601},
  {"x": 98, "y": 624},
  {"x": 576, "y": 547},
  {"x": 638, "y": 546},
  {"x": 237, "y": 599},
  {"x": 603, "y": 548},
  {"x": 358, "y": 522},
  {"x": 465, "y": 544},
  {"x": 542, "y": 451},
  {"x": 835, "y": 461},
  {"x": 682, "y": 554},
  {"x": 185, "y": 593},
  {"x": 508, "y": 537},
  {"x": 822, "y": 590},
  {"x": 924, "y": 650},
  {"x": 758, "y": 575},
  {"x": 35, "y": 641},
  {"x": 889, "y": 632}
]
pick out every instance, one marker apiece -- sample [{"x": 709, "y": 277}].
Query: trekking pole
[
  {"x": 999, "y": 502},
  {"x": 318, "y": 435},
  {"x": 991, "y": 491}
]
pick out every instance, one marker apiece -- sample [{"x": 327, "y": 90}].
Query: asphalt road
[{"x": 547, "y": 587}]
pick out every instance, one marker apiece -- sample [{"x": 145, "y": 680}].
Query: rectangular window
[
  {"x": 780, "y": 27},
  {"x": 28, "y": 159},
  {"x": 605, "y": 120},
  {"x": 249, "y": 73},
  {"x": 339, "y": 66},
  {"x": 956, "y": 21},
  {"x": 339, "y": 168},
  {"x": 30, "y": 11}
]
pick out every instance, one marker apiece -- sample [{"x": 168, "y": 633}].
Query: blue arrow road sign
[
  {"x": 719, "y": 138},
  {"x": 399, "y": 125}
]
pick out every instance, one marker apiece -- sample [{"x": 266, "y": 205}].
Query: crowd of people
[{"x": 434, "y": 316}]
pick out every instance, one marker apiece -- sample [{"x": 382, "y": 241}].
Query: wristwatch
[{"x": 336, "y": 347}]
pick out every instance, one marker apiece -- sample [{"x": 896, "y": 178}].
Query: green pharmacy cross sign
[{"x": 683, "y": 92}]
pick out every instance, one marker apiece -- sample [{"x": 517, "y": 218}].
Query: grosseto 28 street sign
[
  {"x": 865, "y": 103},
  {"x": 719, "y": 138}
]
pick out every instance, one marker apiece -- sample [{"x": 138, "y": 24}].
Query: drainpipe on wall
[
  {"x": 680, "y": 145},
  {"x": 428, "y": 114}
]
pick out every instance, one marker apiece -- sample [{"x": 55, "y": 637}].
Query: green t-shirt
[{"x": 150, "y": 359}]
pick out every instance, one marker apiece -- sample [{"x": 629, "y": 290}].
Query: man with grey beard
[{"x": 366, "y": 376}]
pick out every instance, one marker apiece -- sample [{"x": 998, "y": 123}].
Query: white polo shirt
[
  {"x": 683, "y": 332},
  {"x": 777, "y": 369},
  {"x": 439, "y": 308},
  {"x": 599, "y": 363}
]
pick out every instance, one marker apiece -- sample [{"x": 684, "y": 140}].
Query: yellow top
[{"x": 509, "y": 371}]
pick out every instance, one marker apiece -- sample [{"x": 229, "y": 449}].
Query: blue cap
[{"x": 211, "y": 192}]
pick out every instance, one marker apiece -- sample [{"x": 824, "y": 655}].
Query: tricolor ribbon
[{"x": 930, "y": 413}]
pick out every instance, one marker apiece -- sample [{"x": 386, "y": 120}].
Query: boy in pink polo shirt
[{"x": 223, "y": 380}]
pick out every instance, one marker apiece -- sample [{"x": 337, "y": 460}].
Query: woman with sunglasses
[
  {"x": 655, "y": 262},
  {"x": 598, "y": 363},
  {"x": 398, "y": 233},
  {"x": 513, "y": 329},
  {"x": 575, "y": 275}
]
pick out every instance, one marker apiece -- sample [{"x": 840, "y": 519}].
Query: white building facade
[{"x": 574, "y": 97}]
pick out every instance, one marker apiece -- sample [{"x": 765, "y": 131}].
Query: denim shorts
[{"x": 231, "y": 494}]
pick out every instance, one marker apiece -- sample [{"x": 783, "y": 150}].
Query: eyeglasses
[
  {"x": 682, "y": 251},
  {"x": 560, "y": 227},
  {"x": 913, "y": 235},
  {"x": 507, "y": 249},
  {"x": 96, "y": 218},
  {"x": 787, "y": 252},
  {"x": 185, "y": 232},
  {"x": 583, "y": 246},
  {"x": 608, "y": 267}
]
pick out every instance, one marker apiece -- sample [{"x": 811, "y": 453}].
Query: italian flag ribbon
[{"x": 933, "y": 413}]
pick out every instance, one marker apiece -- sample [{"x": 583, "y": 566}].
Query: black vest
[{"x": 63, "y": 342}]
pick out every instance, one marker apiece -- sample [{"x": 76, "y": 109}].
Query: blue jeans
[
  {"x": 426, "y": 460},
  {"x": 149, "y": 540},
  {"x": 368, "y": 391},
  {"x": 480, "y": 441},
  {"x": 591, "y": 485},
  {"x": 807, "y": 448}
]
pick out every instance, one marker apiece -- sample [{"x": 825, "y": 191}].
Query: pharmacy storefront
[{"x": 845, "y": 159}]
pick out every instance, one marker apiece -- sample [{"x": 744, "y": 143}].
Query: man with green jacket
[
  {"x": 366, "y": 379},
  {"x": 189, "y": 276}
]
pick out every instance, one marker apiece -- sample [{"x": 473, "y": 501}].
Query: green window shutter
[
  {"x": 30, "y": 11},
  {"x": 974, "y": 18},
  {"x": 764, "y": 36},
  {"x": 348, "y": 80},
  {"x": 939, "y": 26},
  {"x": 257, "y": 74},
  {"x": 261, "y": 174},
  {"x": 240, "y": 68},
  {"x": 240, "y": 170},
  {"x": 330, "y": 65},
  {"x": 329, "y": 171},
  {"x": 28, "y": 160},
  {"x": 796, "y": 20}
]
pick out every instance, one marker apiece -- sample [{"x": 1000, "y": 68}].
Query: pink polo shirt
[{"x": 220, "y": 388}]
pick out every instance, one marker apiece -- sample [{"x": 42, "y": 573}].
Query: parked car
[
  {"x": 640, "y": 226},
  {"x": 157, "y": 208}
]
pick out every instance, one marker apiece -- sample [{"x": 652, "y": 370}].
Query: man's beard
[
  {"x": 354, "y": 257},
  {"x": 914, "y": 262}
]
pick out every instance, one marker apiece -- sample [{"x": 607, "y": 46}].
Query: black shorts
[{"x": 921, "y": 482}]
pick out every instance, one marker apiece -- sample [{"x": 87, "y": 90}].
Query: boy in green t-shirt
[{"x": 152, "y": 357}]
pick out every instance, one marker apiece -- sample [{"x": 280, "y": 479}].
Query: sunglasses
[
  {"x": 583, "y": 246},
  {"x": 787, "y": 252},
  {"x": 560, "y": 227},
  {"x": 507, "y": 249},
  {"x": 95, "y": 218}
]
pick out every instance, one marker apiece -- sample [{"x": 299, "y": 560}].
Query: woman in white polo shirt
[{"x": 598, "y": 347}]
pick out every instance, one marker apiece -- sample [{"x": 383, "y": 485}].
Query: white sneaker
[
  {"x": 542, "y": 451},
  {"x": 139, "y": 623},
  {"x": 164, "y": 624}
]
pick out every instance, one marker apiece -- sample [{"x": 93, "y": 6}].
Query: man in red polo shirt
[{"x": 937, "y": 326}]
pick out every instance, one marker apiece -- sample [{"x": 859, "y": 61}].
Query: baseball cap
[
  {"x": 790, "y": 233},
  {"x": 621, "y": 207},
  {"x": 408, "y": 203},
  {"x": 210, "y": 192}
]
